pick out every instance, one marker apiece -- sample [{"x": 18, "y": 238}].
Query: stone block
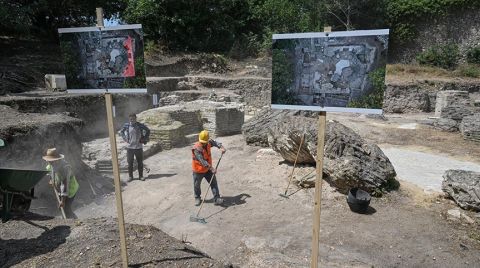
[
  {"x": 55, "y": 82},
  {"x": 450, "y": 98}
]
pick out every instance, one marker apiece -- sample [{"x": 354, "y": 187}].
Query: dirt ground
[
  {"x": 38, "y": 241},
  {"x": 258, "y": 228}
]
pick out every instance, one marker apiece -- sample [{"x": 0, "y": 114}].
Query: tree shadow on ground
[{"x": 15, "y": 251}]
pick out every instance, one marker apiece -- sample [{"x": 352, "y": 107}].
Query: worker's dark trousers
[
  {"x": 197, "y": 181},
  {"x": 138, "y": 153},
  {"x": 68, "y": 208}
]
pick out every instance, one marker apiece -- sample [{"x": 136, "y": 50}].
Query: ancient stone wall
[
  {"x": 461, "y": 27},
  {"x": 178, "y": 125},
  {"x": 89, "y": 108},
  {"x": 420, "y": 96},
  {"x": 27, "y": 136}
]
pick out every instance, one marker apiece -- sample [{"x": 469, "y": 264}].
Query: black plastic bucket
[{"x": 358, "y": 200}]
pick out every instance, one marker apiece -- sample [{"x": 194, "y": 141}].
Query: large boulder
[
  {"x": 349, "y": 161},
  {"x": 463, "y": 187},
  {"x": 255, "y": 130},
  {"x": 470, "y": 127}
]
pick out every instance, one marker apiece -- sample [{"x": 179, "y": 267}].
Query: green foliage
[
  {"x": 282, "y": 77},
  {"x": 444, "y": 56},
  {"x": 469, "y": 70},
  {"x": 15, "y": 17},
  {"x": 72, "y": 66},
  {"x": 209, "y": 25},
  {"x": 473, "y": 55},
  {"x": 44, "y": 17},
  {"x": 374, "y": 100},
  {"x": 238, "y": 27},
  {"x": 401, "y": 15},
  {"x": 139, "y": 80}
]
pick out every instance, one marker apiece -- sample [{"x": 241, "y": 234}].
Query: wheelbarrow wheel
[{"x": 20, "y": 204}]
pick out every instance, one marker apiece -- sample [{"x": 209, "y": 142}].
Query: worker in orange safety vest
[{"x": 202, "y": 166}]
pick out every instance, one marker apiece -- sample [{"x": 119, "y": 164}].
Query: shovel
[
  {"x": 196, "y": 218},
  {"x": 284, "y": 195}
]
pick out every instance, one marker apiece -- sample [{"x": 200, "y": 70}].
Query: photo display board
[
  {"x": 333, "y": 72},
  {"x": 103, "y": 59}
]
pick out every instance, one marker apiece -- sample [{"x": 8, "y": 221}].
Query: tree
[
  {"x": 202, "y": 25},
  {"x": 44, "y": 17},
  {"x": 353, "y": 14}
]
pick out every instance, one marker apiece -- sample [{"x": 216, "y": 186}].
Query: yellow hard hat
[{"x": 203, "y": 137}]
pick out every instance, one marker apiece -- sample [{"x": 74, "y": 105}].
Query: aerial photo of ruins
[
  {"x": 332, "y": 71},
  {"x": 102, "y": 59},
  {"x": 240, "y": 135}
]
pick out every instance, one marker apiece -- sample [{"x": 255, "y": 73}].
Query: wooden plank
[
  {"x": 99, "y": 12},
  {"x": 116, "y": 179},
  {"x": 322, "y": 123}
]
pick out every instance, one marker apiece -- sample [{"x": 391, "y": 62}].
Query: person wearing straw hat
[
  {"x": 62, "y": 179},
  {"x": 202, "y": 166}
]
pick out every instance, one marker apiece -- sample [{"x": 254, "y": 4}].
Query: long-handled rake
[
  {"x": 294, "y": 164},
  {"x": 196, "y": 218},
  {"x": 58, "y": 200}
]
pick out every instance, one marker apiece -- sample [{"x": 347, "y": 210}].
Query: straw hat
[{"x": 53, "y": 155}]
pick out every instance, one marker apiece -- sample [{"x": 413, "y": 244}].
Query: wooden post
[
  {"x": 99, "y": 12},
  {"x": 116, "y": 178},
  {"x": 322, "y": 124},
  {"x": 116, "y": 170}
]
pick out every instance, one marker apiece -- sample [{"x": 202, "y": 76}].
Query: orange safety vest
[{"x": 207, "y": 155}]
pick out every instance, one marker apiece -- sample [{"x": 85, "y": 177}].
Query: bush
[
  {"x": 473, "y": 55},
  {"x": 374, "y": 100},
  {"x": 469, "y": 70},
  {"x": 444, "y": 56},
  {"x": 282, "y": 78}
]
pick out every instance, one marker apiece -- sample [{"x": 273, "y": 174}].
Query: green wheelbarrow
[{"x": 17, "y": 189}]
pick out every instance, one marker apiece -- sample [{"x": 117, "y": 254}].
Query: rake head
[
  {"x": 284, "y": 196},
  {"x": 197, "y": 219}
]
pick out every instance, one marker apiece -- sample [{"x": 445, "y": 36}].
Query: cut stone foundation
[{"x": 179, "y": 125}]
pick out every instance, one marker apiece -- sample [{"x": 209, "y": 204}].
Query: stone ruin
[
  {"x": 179, "y": 125},
  {"x": 457, "y": 111}
]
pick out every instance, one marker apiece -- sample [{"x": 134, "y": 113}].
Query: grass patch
[
  {"x": 469, "y": 70},
  {"x": 407, "y": 69},
  {"x": 462, "y": 71},
  {"x": 475, "y": 236}
]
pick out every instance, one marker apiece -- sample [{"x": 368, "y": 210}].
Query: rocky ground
[
  {"x": 38, "y": 241},
  {"x": 258, "y": 228}
]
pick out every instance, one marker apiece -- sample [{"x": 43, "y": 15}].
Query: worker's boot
[
  {"x": 198, "y": 201},
  {"x": 130, "y": 179},
  {"x": 218, "y": 201}
]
